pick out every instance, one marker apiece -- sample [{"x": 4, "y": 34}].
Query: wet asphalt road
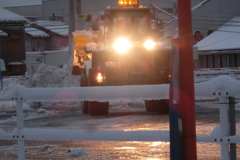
[{"x": 207, "y": 118}]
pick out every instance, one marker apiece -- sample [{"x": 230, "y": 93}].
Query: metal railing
[
  {"x": 205, "y": 74},
  {"x": 221, "y": 88}
]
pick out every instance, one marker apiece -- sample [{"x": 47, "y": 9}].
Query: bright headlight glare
[
  {"x": 149, "y": 44},
  {"x": 122, "y": 45}
]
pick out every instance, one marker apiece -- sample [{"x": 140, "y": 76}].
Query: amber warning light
[{"x": 128, "y": 2}]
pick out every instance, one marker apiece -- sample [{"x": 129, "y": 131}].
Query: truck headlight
[
  {"x": 149, "y": 44},
  {"x": 122, "y": 45}
]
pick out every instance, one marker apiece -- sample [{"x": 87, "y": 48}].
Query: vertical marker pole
[
  {"x": 232, "y": 121},
  {"x": 186, "y": 89},
  {"x": 20, "y": 125}
]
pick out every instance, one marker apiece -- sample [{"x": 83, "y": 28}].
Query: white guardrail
[
  {"x": 221, "y": 88},
  {"x": 205, "y": 74}
]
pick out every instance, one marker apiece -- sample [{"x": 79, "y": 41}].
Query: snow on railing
[
  {"x": 221, "y": 87},
  {"x": 206, "y": 74}
]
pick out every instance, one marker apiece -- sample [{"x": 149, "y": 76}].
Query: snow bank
[
  {"x": 46, "y": 77},
  {"x": 219, "y": 86},
  {"x": 79, "y": 152},
  {"x": 51, "y": 76}
]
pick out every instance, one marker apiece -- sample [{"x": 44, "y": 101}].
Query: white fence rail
[
  {"x": 205, "y": 74},
  {"x": 221, "y": 88}
]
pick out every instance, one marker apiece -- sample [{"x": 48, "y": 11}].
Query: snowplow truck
[{"x": 122, "y": 48}]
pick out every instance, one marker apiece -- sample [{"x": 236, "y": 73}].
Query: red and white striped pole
[{"x": 187, "y": 102}]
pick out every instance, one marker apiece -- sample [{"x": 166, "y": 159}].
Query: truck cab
[{"x": 131, "y": 54}]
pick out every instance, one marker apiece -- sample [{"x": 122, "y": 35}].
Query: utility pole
[
  {"x": 186, "y": 89},
  {"x": 80, "y": 18},
  {"x": 79, "y": 6},
  {"x": 71, "y": 24}
]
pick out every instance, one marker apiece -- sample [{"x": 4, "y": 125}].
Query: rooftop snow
[
  {"x": 199, "y": 5},
  {"x": 3, "y": 34},
  {"x": 14, "y": 3},
  {"x": 225, "y": 38},
  {"x": 57, "y": 27},
  {"x": 36, "y": 32},
  {"x": 6, "y": 15}
]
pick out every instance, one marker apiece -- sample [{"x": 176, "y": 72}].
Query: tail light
[{"x": 99, "y": 77}]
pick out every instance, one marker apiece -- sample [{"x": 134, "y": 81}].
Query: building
[
  {"x": 221, "y": 49},
  {"x": 207, "y": 17},
  {"x": 12, "y": 42},
  {"x": 57, "y": 32},
  {"x": 36, "y": 39},
  {"x": 213, "y": 23},
  {"x": 31, "y": 9}
]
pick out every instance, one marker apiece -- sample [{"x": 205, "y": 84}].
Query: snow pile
[
  {"x": 51, "y": 76},
  {"x": 225, "y": 85},
  {"x": 46, "y": 77},
  {"x": 29, "y": 115},
  {"x": 11, "y": 106},
  {"x": 79, "y": 152}
]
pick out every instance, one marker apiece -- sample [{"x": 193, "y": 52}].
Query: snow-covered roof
[
  {"x": 57, "y": 27},
  {"x": 3, "y": 34},
  {"x": 199, "y": 5},
  {"x": 15, "y": 3},
  {"x": 36, "y": 32},
  {"x": 8, "y": 16},
  {"x": 225, "y": 38}
]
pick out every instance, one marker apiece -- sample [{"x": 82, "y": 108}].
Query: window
[
  {"x": 197, "y": 36},
  {"x": 238, "y": 60},
  {"x": 217, "y": 61},
  {"x": 232, "y": 62},
  {"x": 14, "y": 35},
  {"x": 209, "y": 32},
  {"x": 16, "y": 69},
  {"x": 224, "y": 61},
  {"x": 210, "y": 61},
  {"x": 169, "y": 10},
  {"x": 203, "y": 62}
]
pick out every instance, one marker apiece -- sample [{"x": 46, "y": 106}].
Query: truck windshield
[{"x": 128, "y": 24}]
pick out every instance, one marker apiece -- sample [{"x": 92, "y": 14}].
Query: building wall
[
  {"x": 28, "y": 45},
  {"x": 34, "y": 11},
  {"x": 56, "y": 7},
  {"x": 38, "y": 43},
  {"x": 209, "y": 17},
  {"x": 94, "y": 7},
  {"x": 229, "y": 60},
  {"x": 13, "y": 50},
  {"x": 214, "y": 14},
  {"x": 35, "y": 43},
  {"x": 57, "y": 42}
]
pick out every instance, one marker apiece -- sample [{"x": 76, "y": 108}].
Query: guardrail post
[
  {"x": 224, "y": 126},
  {"x": 232, "y": 120},
  {"x": 20, "y": 124}
]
